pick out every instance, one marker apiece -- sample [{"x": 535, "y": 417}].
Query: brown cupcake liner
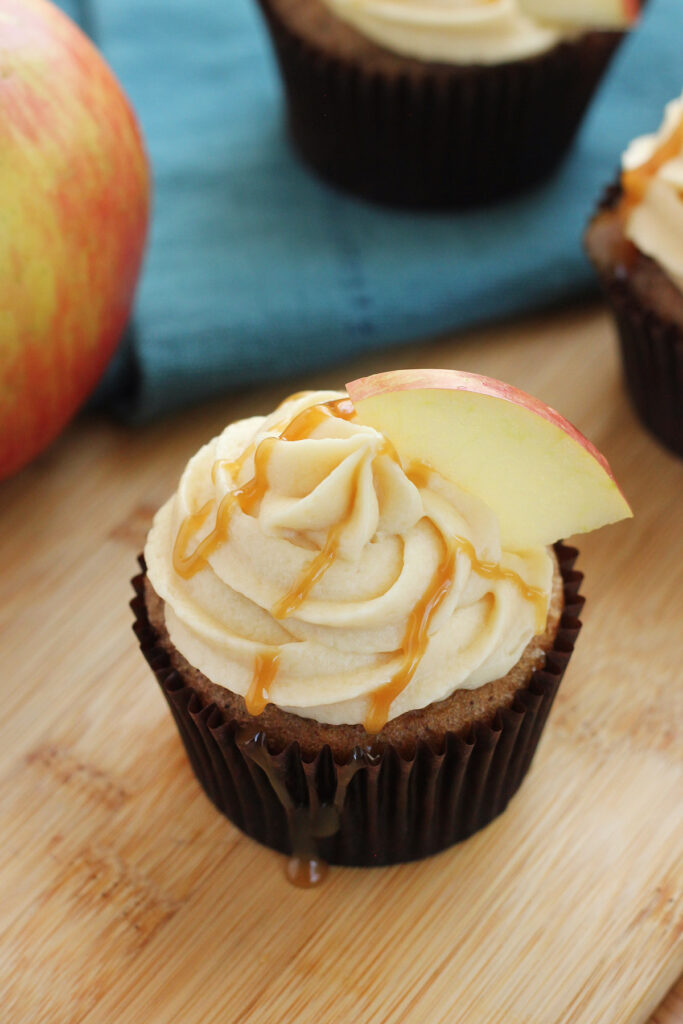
[
  {"x": 652, "y": 351},
  {"x": 436, "y": 135},
  {"x": 380, "y": 807}
]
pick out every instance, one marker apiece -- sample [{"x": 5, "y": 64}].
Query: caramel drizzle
[
  {"x": 416, "y": 636},
  {"x": 303, "y": 425},
  {"x": 265, "y": 670},
  {"x": 417, "y": 633},
  {"x": 290, "y": 430},
  {"x": 418, "y": 473},
  {"x": 635, "y": 182},
  {"x": 232, "y": 466},
  {"x": 316, "y": 569},
  {"x": 414, "y": 642},
  {"x": 247, "y": 496},
  {"x": 250, "y": 494},
  {"x": 493, "y": 571},
  {"x": 313, "y": 572},
  {"x": 309, "y": 823}
]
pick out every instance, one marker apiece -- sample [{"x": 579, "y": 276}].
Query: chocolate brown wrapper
[
  {"x": 652, "y": 352},
  {"x": 387, "y": 808},
  {"x": 434, "y": 135},
  {"x": 651, "y": 348}
]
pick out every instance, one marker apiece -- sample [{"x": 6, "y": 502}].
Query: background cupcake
[
  {"x": 636, "y": 244},
  {"x": 434, "y": 104}
]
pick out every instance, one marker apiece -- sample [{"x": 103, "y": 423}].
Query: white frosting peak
[{"x": 338, "y": 488}]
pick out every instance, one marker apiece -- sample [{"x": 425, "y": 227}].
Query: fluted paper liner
[
  {"x": 386, "y": 807},
  {"x": 431, "y": 134}
]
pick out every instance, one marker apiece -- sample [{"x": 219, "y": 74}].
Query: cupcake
[
  {"x": 360, "y": 625},
  {"x": 440, "y": 102},
  {"x": 636, "y": 244}
]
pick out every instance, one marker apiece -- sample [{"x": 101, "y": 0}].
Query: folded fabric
[{"x": 257, "y": 270}]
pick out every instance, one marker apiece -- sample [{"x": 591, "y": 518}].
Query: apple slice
[
  {"x": 593, "y": 13},
  {"x": 536, "y": 472}
]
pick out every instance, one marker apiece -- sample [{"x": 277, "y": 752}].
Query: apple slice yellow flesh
[
  {"x": 540, "y": 476},
  {"x": 592, "y": 13}
]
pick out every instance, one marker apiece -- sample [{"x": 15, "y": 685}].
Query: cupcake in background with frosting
[
  {"x": 440, "y": 102},
  {"x": 635, "y": 242}
]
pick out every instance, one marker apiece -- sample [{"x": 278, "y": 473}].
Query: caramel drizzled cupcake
[
  {"x": 440, "y": 102},
  {"x": 358, "y": 648},
  {"x": 636, "y": 244}
]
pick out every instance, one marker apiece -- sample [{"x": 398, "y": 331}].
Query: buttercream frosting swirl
[
  {"x": 653, "y": 190},
  {"x": 460, "y": 31},
  {"x": 299, "y": 542}
]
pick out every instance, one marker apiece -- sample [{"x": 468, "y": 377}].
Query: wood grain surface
[{"x": 124, "y": 897}]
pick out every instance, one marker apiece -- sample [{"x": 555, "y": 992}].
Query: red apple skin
[
  {"x": 74, "y": 206},
  {"x": 456, "y": 380}
]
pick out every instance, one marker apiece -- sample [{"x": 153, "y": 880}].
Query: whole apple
[{"x": 74, "y": 202}]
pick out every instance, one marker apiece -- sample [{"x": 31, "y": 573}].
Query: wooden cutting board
[{"x": 125, "y": 897}]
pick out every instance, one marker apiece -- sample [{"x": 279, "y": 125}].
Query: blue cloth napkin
[{"x": 257, "y": 270}]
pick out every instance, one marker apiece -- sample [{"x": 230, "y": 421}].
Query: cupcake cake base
[{"x": 383, "y": 801}]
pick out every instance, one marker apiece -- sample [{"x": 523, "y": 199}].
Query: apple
[
  {"x": 594, "y": 13},
  {"x": 74, "y": 200},
  {"x": 540, "y": 476}
]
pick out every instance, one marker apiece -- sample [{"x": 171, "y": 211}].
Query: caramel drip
[
  {"x": 265, "y": 670},
  {"x": 303, "y": 425},
  {"x": 414, "y": 642},
  {"x": 419, "y": 474},
  {"x": 316, "y": 569},
  {"x": 253, "y": 491},
  {"x": 233, "y": 466},
  {"x": 493, "y": 571},
  {"x": 306, "y": 872},
  {"x": 342, "y": 408},
  {"x": 296, "y": 596},
  {"x": 188, "y": 528},
  {"x": 417, "y": 632},
  {"x": 635, "y": 182},
  {"x": 246, "y": 497},
  {"x": 308, "y": 822}
]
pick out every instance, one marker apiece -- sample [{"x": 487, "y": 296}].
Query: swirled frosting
[
  {"x": 462, "y": 31},
  {"x": 653, "y": 191},
  {"x": 301, "y": 563}
]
